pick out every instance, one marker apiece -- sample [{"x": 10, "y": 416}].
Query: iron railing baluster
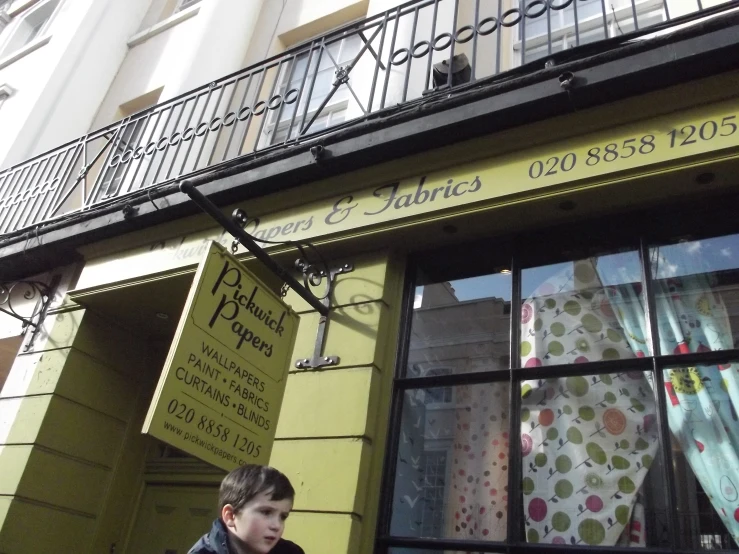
[
  {"x": 453, "y": 44},
  {"x": 27, "y": 210},
  {"x": 141, "y": 143},
  {"x": 473, "y": 62},
  {"x": 300, "y": 94},
  {"x": 134, "y": 144},
  {"x": 238, "y": 112},
  {"x": 197, "y": 125},
  {"x": 17, "y": 197},
  {"x": 432, "y": 34},
  {"x": 65, "y": 176},
  {"x": 149, "y": 141},
  {"x": 254, "y": 104},
  {"x": 111, "y": 146},
  {"x": 411, "y": 42},
  {"x": 303, "y": 127},
  {"x": 396, "y": 22},
  {"x": 226, "y": 111},
  {"x": 267, "y": 109},
  {"x": 48, "y": 212},
  {"x": 165, "y": 150},
  {"x": 286, "y": 89},
  {"x": 378, "y": 64}
]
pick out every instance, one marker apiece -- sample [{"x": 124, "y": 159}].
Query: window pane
[
  {"x": 702, "y": 407},
  {"x": 591, "y": 471},
  {"x": 697, "y": 294},
  {"x": 583, "y": 311},
  {"x": 461, "y": 326},
  {"x": 452, "y": 467}
]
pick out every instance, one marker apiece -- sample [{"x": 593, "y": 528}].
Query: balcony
[{"x": 420, "y": 50}]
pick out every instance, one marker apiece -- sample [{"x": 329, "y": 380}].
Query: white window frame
[
  {"x": 566, "y": 33},
  {"x": 185, "y": 4},
  {"x": 332, "y": 109},
  {"x": 18, "y": 24},
  {"x": 6, "y": 91}
]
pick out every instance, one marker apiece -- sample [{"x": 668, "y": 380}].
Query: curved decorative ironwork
[
  {"x": 26, "y": 291},
  {"x": 388, "y": 59},
  {"x": 314, "y": 273}
]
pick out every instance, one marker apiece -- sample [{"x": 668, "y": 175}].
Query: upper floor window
[
  {"x": 568, "y": 24},
  {"x": 5, "y": 93},
  {"x": 29, "y": 25},
  {"x": 313, "y": 76},
  {"x": 184, "y": 4}
]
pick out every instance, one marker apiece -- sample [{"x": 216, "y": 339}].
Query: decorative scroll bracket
[
  {"x": 312, "y": 277},
  {"x": 28, "y": 290},
  {"x": 319, "y": 360}
]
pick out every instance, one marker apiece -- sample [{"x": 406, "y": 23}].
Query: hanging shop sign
[
  {"x": 220, "y": 392},
  {"x": 637, "y": 148}
]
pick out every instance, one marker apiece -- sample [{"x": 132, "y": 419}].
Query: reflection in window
[
  {"x": 341, "y": 52},
  {"x": 691, "y": 280},
  {"x": 592, "y": 471},
  {"x": 452, "y": 465},
  {"x": 461, "y": 326},
  {"x": 600, "y": 301},
  {"x": 702, "y": 407},
  {"x": 558, "y": 25},
  {"x": 589, "y": 446},
  {"x": 569, "y": 314}
]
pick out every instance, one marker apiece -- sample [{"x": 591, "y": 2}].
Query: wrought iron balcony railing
[{"x": 391, "y": 58}]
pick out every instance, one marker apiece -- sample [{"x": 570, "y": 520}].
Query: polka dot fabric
[{"x": 587, "y": 441}]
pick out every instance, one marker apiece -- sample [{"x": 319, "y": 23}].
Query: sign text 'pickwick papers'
[{"x": 220, "y": 392}]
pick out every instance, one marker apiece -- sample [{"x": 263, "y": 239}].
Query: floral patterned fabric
[
  {"x": 702, "y": 401},
  {"x": 587, "y": 442}
]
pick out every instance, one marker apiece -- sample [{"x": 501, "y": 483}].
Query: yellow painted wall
[
  {"x": 74, "y": 457},
  {"x": 331, "y": 432},
  {"x": 73, "y": 444}
]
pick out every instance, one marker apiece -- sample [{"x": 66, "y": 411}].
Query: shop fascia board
[{"x": 629, "y": 71}]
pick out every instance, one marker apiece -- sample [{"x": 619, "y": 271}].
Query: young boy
[{"x": 255, "y": 502}]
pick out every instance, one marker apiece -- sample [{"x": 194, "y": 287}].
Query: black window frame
[{"x": 642, "y": 229}]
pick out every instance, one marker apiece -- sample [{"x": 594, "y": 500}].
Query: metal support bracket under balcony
[{"x": 30, "y": 292}]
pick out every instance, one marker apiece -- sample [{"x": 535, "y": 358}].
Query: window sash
[{"x": 515, "y": 375}]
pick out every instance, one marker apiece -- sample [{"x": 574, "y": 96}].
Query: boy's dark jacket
[{"x": 216, "y": 542}]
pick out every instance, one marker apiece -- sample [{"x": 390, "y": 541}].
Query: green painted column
[
  {"x": 72, "y": 441},
  {"x": 331, "y": 431}
]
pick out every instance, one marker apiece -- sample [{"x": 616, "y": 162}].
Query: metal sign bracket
[
  {"x": 313, "y": 273},
  {"x": 319, "y": 360}
]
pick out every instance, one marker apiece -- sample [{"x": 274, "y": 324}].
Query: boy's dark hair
[{"x": 248, "y": 481}]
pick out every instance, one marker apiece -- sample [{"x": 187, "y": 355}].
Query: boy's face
[{"x": 257, "y": 527}]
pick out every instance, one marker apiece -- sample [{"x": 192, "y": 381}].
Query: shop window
[
  {"x": 30, "y": 25},
  {"x": 613, "y": 345}
]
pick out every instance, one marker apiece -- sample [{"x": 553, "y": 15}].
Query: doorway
[{"x": 171, "y": 518}]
